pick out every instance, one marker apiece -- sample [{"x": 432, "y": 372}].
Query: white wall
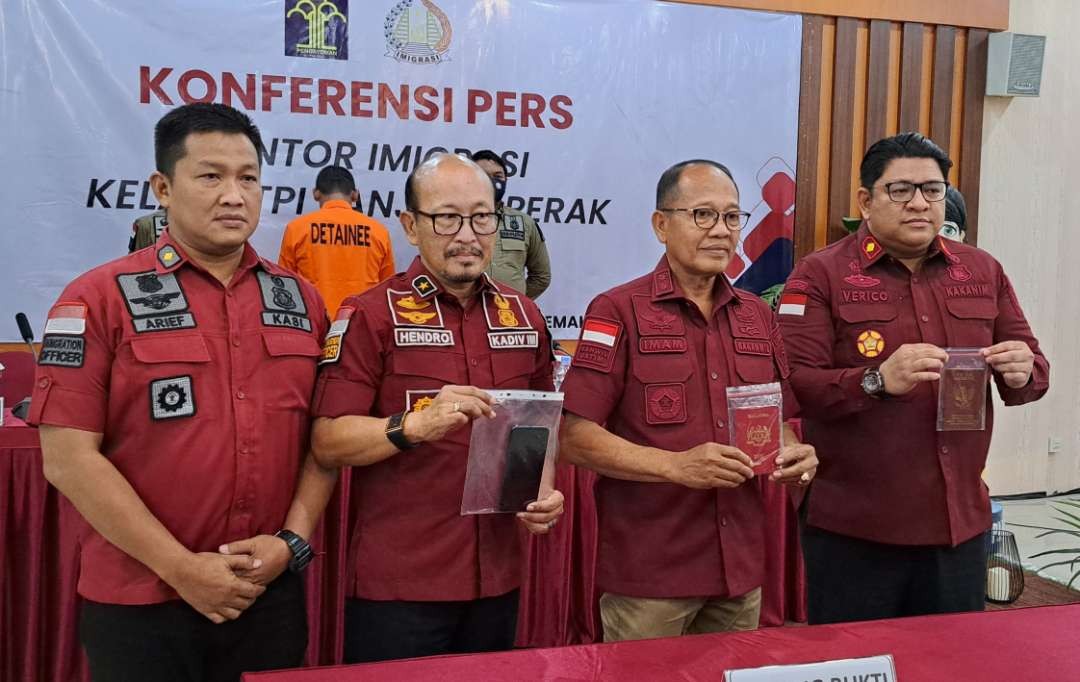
[{"x": 1030, "y": 220}]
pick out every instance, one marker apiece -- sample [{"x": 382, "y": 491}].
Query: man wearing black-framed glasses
[
  {"x": 895, "y": 520},
  {"x": 398, "y": 391},
  {"x": 680, "y": 518}
]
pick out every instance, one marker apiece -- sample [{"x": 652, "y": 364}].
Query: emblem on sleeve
[
  {"x": 331, "y": 350},
  {"x": 67, "y": 318},
  {"x": 171, "y": 398},
  {"x": 62, "y": 351},
  {"x": 792, "y": 304},
  {"x": 870, "y": 344},
  {"x": 596, "y": 348}
]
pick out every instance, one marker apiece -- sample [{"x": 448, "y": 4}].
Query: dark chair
[{"x": 17, "y": 381}]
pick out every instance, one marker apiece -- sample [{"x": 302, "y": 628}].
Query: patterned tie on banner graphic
[{"x": 766, "y": 251}]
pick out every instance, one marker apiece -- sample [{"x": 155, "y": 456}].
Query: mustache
[{"x": 464, "y": 251}]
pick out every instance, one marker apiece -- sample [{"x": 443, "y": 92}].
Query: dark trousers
[
  {"x": 849, "y": 579},
  {"x": 386, "y": 630},
  {"x": 172, "y": 642}
]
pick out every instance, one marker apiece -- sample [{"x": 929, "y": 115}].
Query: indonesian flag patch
[
  {"x": 596, "y": 350},
  {"x": 792, "y": 304},
  {"x": 67, "y": 318}
]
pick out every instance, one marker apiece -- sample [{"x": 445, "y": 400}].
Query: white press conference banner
[{"x": 588, "y": 101}]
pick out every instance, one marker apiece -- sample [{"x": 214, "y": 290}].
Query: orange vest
[{"x": 341, "y": 251}]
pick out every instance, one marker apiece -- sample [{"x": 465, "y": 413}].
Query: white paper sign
[{"x": 871, "y": 669}]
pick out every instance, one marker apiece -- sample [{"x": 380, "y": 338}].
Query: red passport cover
[{"x": 757, "y": 433}]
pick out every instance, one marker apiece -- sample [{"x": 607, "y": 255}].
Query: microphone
[{"x": 26, "y": 332}]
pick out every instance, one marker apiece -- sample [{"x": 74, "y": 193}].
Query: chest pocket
[
  {"x": 427, "y": 369},
  {"x": 671, "y": 369},
  {"x": 511, "y": 252},
  {"x": 288, "y": 379},
  {"x": 971, "y": 320},
  {"x": 868, "y": 333},
  {"x": 755, "y": 369},
  {"x": 163, "y": 350},
  {"x": 512, "y": 368}
]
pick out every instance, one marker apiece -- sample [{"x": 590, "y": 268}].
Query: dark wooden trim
[
  {"x": 843, "y": 115},
  {"x": 910, "y": 76},
  {"x": 809, "y": 133},
  {"x": 877, "y": 87},
  {"x": 941, "y": 99},
  {"x": 991, "y": 14},
  {"x": 971, "y": 134}
]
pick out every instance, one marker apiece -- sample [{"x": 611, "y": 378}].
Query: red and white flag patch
[
  {"x": 599, "y": 331},
  {"x": 792, "y": 304},
  {"x": 67, "y": 318}
]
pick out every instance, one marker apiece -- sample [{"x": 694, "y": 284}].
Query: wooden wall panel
[{"x": 874, "y": 78}]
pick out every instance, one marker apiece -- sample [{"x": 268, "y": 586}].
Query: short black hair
[
  {"x": 171, "y": 132},
  {"x": 668, "y": 186},
  {"x": 488, "y": 155},
  {"x": 902, "y": 146},
  {"x": 335, "y": 180}
]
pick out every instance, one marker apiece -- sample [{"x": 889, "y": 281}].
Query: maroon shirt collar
[
  {"x": 425, "y": 285},
  {"x": 665, "y": 287},
  {"x": 170, "y": 256},
  {"x": 871, "y": 251}
]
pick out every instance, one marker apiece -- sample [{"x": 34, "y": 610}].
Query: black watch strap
[
  {"x": 395, "y": 432},
  {"x": 301, "y": 550}
]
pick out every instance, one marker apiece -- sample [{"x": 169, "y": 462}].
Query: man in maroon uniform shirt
[
  {"x": 173, "y": 395},
  {"x": 398, "y": 391},
  {"x": 681, "y": 527},
  {"x": 896, "y": 517}
]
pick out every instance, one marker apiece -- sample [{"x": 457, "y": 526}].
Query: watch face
[{"x": 871, "y": 382}]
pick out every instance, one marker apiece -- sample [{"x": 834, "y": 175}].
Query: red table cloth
[
  {"x": 1014, "y": 645},
  {"x": 39, "y": 559}
]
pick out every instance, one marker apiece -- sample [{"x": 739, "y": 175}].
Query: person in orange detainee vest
[{"x": 340, "y": 250}]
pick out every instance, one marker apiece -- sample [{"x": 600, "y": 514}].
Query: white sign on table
[{"x": 870, "y": 669}]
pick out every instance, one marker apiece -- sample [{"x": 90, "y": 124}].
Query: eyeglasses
[
  {"x": 902, "y": 192},
  {"x": 706, "y": 218},
  {"x": 449, "y": 224}
]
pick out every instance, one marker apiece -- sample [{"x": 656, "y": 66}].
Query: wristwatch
[
  {"x": 395, "y": 432},
  {"x": 873, "y": 383},
  {"x": 301, "y": 550}
]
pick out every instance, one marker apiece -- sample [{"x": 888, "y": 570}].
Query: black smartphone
[{"x": 525, "y": 452}]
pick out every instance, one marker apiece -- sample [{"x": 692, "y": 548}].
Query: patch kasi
[
  {"x": 665, "y": 403},
  {"x": 526, "y": 339},
  {"x": 409, "y": 310},
  {"x": 283, "y": 304},
  {"x": 331, "y": 350},
  {"x": 67, "y": 318},
  {"x": 662, "y": 344},
  {"x": 870, "y": 344},
  {"x": 504, "y": 311},
  {"x": 423, "y": 337},
  {"x": 62, "y": 351},
  {"x": 171, "y": 398}
]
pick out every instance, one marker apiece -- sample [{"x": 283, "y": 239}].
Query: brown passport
[{"x": 962, "y": 404}]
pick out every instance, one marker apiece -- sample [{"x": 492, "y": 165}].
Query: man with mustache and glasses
[
  {"x": 680, "y": 520},
  {"x": 896, "y": 517},
  {"x": 395, "y": 400}
]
